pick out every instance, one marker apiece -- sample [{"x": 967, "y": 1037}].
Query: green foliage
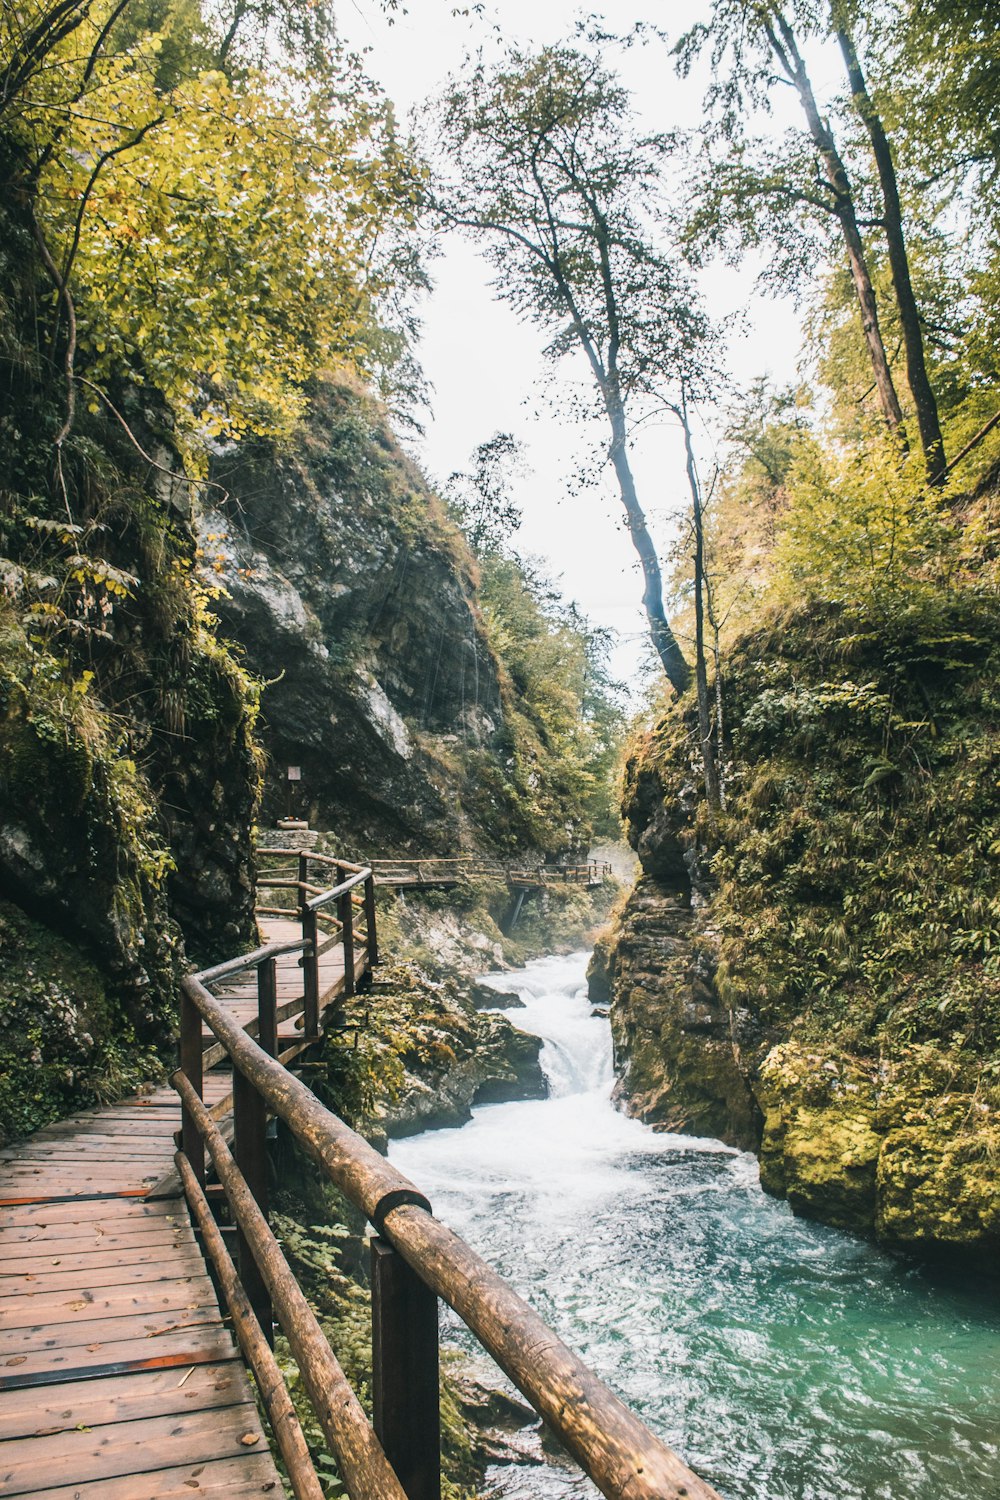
[
  {"x": 226, "y": 287},
  {"x": 64, "y": 1039},
  {"x": 861, "y": 527},
  {"x": 856, "y": 894},
  {"x": 481, "y": 502},
  {"x": 564, "y": 717}
]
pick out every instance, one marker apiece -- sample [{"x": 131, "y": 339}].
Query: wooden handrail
[
  {"x": 620, "y": 1454},
  {"x": 338, "y": 1411},
  {"x": 316, "y": 903},
  {"x": 250, "y": 960},
  {"x": 256, "y": 1349}
]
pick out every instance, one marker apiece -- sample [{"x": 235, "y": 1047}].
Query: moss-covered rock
[
  {"x": 843, "y": 924},
  {"x": 677, "y": 1065},
  {"x": 65, "y": 1035},
  {"x": 820, "y": 1145}
]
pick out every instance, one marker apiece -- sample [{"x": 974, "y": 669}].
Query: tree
[
  {"x": 135, "y": 132},
  {"x": 762, "y": 26},
  {"x": 921, "y": 390},
  {"x": 754, "y": 39},
  {"x": 554, "y": 180},
  {"x": 481, "y": 500}
]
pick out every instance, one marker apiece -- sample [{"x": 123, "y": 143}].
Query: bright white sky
[{"x": 486, "y": 369}]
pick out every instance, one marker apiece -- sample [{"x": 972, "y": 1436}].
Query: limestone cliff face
[
  {"x": 810, "y": 974},
  {"x": 351, "y": 594},
  {"x": 678, "y": 1063}
]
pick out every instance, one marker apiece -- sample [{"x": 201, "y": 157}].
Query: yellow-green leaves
[{"x": 223, "y": 234}]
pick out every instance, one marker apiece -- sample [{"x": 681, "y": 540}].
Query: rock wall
[
  {"x": 351, "y": 594},
  {"x": 810, "y": 973},
  {"x": 677, "y": 1061}
]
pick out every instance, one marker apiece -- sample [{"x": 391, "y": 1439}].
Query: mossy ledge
[{"x": 812, "y": 973}]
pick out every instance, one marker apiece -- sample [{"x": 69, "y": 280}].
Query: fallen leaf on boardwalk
[
  {"x": 176, "y": 1327},
  {"x": 249, "y": 1438},
  {"x": 92, "y": 1348},
  {"x": 76, "y": 1306},
  {"x": 19, "y": 1359}
]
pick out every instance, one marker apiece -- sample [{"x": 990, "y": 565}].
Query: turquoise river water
[{"x": 782, "y": 1359}]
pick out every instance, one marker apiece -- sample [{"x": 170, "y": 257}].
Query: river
[{"x": 782, "y": 1359}]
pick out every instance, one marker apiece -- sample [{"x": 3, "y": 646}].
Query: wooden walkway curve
[{"x": 119, "y": 1379}]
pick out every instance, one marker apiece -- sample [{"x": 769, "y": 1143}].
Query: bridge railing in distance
[{"x": 415, "y": 1260}]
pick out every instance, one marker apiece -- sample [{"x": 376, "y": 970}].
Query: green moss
[
  {"x": 851, "y": 897},
  {"x": 64, "y": 1039}
]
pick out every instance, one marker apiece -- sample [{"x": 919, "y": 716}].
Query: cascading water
[{"x": 782, "y": 1359}]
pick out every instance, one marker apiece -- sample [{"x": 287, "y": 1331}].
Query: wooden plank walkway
[{"x": 119, "y": 1379}]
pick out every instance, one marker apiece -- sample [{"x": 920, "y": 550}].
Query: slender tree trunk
[
  {"x": 924, "y": 401},
  {"x": 670, "y": 654},
  {"x": 708, "y": 758},
  {"x": 787, "y": 52}
]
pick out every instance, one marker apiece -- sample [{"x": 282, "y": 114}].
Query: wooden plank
[
  {"x": 252, "y": 1474},
  {"x": 64, "y": 1306},
  {"x": 123, "y": 1214},
  {"x": 102, "y": 1127},
  {"x": 162, "y": 1264},
  {"x": 80, "y": 1239},
  {"x": 102, "y": 1152},
  {"x": 121, "y": 1398},
  {"x": 152, "y": 1315},
  {"x": 184, "y": 1346},
  {"x": 27, "y": 1185},
  {"x": 129, "y": 1448}
]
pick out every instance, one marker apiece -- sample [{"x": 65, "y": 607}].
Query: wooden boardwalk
[{"x": 119, "y": 1379}]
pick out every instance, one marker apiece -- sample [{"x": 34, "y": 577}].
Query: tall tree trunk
[
  {"x": 787, "y": 52},
  {"x": 709, "y": 761},
  {"x": 924, "y": 401},
  {"x": 670, "y": 654}
]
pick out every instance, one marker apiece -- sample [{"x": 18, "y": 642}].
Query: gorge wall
[
  {"x": 812, "y": 973},
  {"x": 139, "y": 637},
  {"x": 351, "y": 594}
]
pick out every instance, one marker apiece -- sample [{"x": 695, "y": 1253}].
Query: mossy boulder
[{"x": 819, "y": 1146}]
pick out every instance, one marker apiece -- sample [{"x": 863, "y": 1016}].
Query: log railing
[{"x": 415, "y": 1261}]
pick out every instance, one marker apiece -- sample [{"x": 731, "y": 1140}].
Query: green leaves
[{"x": 224, "y": 232}]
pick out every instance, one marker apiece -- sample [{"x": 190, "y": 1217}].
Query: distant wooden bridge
[
  {"x": 119, "y": 1375},
  {"x": 433, "y": 872}
]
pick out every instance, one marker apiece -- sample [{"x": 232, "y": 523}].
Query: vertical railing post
[
  {"x": 406, "y": 1408},
  {"x": 267, "y": 1006},
  {"x": 310, "y": 973},
  {"x": 345, "y": 915},
  {"x": 191, "y": 1066},
  {"x": 250, "y": 1150},
  {"x": 303, "y": 882},
  {"x": 370, "y": 927}
]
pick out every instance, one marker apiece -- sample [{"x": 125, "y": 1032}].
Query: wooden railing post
[
  {"x": 303, "y": 882},
  {"x": 405, "y": 1401},
  {"x": 191, "y": 1066},
  {"x": 370, "y": 928},
  {"x": 345, "y": 916},
  {"x": 310, "y": 974},
  {"x": 250, "y": 1151},
  {"x": 267, "y": 1006}
]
